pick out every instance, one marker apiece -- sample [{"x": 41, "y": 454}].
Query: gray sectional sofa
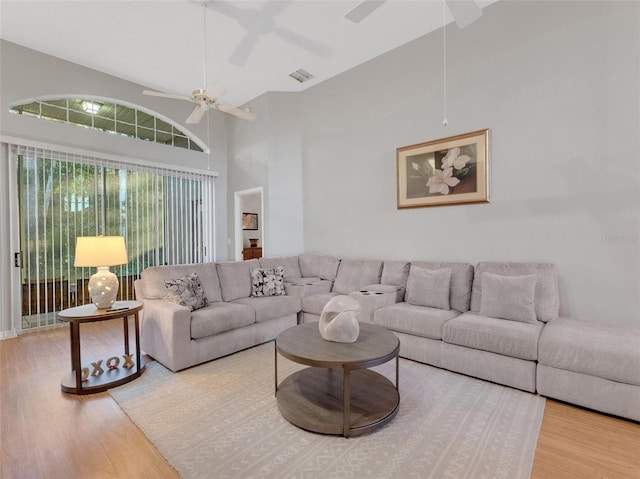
[{"x": 497, "y": 321}]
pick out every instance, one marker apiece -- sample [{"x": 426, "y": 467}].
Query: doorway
[{"x": 248, "y": 206}]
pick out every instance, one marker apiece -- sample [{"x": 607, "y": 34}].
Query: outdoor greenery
[{"x": 60, "y": 200}]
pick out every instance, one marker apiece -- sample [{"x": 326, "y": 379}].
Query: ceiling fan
[
  {"x": 259, "y": 22},
  {"x": 464, "y": 12},
  {"x": 206, "y": 97}
]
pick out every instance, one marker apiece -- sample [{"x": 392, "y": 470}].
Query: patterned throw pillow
[
  {"x": 186, "y": 291},
  {"x": 267, "y": 282}
]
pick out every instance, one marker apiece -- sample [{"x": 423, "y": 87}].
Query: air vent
[{"x": 301, "y": 75}]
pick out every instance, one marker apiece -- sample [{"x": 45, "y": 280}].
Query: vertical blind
[{"x": 163, "y": 214}]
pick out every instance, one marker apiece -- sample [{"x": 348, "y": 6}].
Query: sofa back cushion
[
  {"x": 429, "y": 287},
  {"x": 235, "y": 278},
  {"x": 546, "y": 297},
  {"x": 395, "y": 273},
  {"x": 509, "y": 297},
  {"x": 354, "y": 274},
  {"x": 153, "y": 278},
  {"x": 318, "y": 265},
  {"x": 461, "y": 280},
  {"x": 289, "y": 263}
]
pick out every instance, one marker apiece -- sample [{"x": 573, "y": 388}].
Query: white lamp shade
[{"x": 100, "y": 251}]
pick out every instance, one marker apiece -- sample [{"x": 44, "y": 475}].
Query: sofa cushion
[
  {"x": 186, "y": 291},
  {"x": 608, "y": 351},
  {"x": 429, "y": 287},
  {"x": 267, "y": 282},
  {"x": 508, "y": 297},
  {"x": 318, "y": 265},
  {"x": 414, "y": 320},
  {"x": 271, "y": 307},
  {"x": 153, "y": 279},
  {"x": 220, "y": 317},
  {"x": 395, "y": 272},
  {"x": 235, "y": 278},
  {"x": 509, "y": 338},
  {"x": 314, "y": 304},
  {"x": 354, "y": 274},
  {"x": 461, "y": 279},
  {"x": 547, "y": 298},
  {"x": 303, "y": 281},
  {"x": 289, "y": 263}
]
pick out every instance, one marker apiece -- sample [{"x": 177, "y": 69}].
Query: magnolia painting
[{"x": 449, "y": 171}]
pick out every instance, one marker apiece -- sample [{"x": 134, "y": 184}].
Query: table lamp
[{"x": 101, "y": 252}]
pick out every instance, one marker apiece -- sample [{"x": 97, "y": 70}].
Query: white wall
[
  {"x": 557, "y": 84},
  {"x": 268, "y": 153}
]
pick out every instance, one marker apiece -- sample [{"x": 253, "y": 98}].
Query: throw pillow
[
  {"x": 508, "y": 297},
  {"x": 429, "y": 287},
  {"x": 186, "y": 291},
  {"x": 267, "y": 282}
]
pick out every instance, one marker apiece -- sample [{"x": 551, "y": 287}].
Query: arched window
[{"x": 106, "y": 115}]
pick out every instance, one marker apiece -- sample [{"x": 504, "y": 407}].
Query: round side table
[{"x": 103, "y": 376}]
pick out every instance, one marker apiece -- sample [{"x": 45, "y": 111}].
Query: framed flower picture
[{"x": 450, "y": 171}]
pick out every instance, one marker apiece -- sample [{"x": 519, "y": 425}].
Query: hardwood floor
[{"x": 45, "y": 433}]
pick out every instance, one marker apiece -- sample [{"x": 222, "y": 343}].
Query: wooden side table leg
[
  {"x": 138, "y": 359},
  {"x": 76, "y": 367},
  {"x": 125, "y": 322},
  {"x": 346, "y": 391}
]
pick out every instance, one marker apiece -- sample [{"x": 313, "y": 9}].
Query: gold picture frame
[{"x": 449, "y": 171}]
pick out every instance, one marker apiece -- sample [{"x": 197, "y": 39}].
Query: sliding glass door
[{"x": 162, "y": 214}]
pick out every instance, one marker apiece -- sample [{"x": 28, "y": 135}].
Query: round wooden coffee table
[{"x": 337, "y": 394}]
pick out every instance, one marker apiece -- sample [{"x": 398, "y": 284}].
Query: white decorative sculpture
[{"x": 339, "y": 320}]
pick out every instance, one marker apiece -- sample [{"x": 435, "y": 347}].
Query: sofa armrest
[
  {"x": 301, "y": 290},
  {"x": 166, "y": 332},
  {"x": 138, "y": 289}
]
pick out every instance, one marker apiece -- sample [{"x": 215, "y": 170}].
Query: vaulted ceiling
[{"x": 251, "y": 46}]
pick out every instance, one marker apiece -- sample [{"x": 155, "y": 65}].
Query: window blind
[{"x": 163, "y": 214}]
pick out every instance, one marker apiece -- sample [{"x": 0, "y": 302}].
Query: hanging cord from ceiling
[{"x": 445, "y": 122}]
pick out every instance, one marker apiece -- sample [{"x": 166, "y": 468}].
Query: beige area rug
[{"x": 221, "y": 420}]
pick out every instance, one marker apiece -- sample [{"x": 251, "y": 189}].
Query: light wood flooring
[{"x": 45, "y": 433}]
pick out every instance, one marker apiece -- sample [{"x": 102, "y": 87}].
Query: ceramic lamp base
[{"x": 103, "y": 288}]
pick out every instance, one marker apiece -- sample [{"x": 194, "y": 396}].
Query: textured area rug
[{"x": 221, "y": 420}]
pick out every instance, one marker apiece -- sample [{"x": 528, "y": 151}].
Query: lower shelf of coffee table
[{"x": 312, "y": 399}]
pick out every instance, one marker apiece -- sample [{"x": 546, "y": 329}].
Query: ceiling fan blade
[
  {"x": 465, "y": 12},
  {"x": 304, "y": 42},
  {"x": 242, "y": 52},
  {"x": 245, "y": 115},
  {"x": 363, "y": 10},
  {"x": 215, "y": 91},
  {"x": 196, "y": 115},
  {"x": 166, "y": 95}
]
